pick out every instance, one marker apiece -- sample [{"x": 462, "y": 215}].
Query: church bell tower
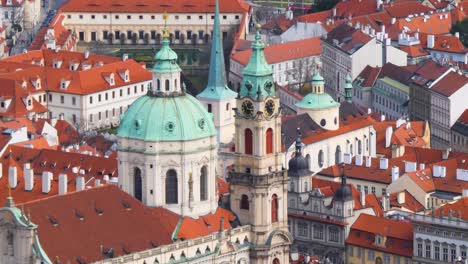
[{"x": 259, "y": 183}]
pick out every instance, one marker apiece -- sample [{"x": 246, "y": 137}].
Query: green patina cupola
[
  {"x": 166, "y": 112},
  {"x": 258, "y": 74},
  {"x": 217, "y": 88},
  {"x": 317, "y": 98},
  {"x": 348, "y": 88}
]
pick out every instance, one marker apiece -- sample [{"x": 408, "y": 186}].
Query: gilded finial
[
  {"x": 9, "y": 190},
  {"x": 165, "y": 33}
]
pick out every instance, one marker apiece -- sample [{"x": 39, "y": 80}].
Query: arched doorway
[
  {"x": 276, "y": 261},
  {"x": 137, "y": 184},
  {"x": 171, "y": 187}
]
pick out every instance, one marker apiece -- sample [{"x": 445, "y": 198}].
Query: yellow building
[{"x": 379, "y": 240}]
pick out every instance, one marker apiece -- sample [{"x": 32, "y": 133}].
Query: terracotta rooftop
[
  {"x": 457, "y": 209},
  {"x": 147, "y": 6},
  {"x": 407, "y": 8},
  {"x": 410, "y": 203},
  {"x": 399, "y": 235},
  {"x": 461, "y": 125},
  {"x": 283, "y": 52},
  {"x": 103, "y": 219},
  {"x": 347, "y": 38},
  {"x": 450, "y": 84},
  {"x": 368, "y": 76},
  {"x": 444, "y": 43}
]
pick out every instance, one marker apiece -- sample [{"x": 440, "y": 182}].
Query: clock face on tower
[
  {"x": 270, "y": 107},
  {"x": 247, "y": 108}
]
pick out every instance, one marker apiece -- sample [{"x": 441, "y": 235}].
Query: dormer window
[
  {"x": 36, "y": 82},
  {"x": 111, "y": 79},
  {"x": 24, "y": 85},
  {"x": 57, "y": 64},
  {"x": 64, "y": 84},
  {"x": 8, "y": 2},
  {"x": 124, "y": 74}
]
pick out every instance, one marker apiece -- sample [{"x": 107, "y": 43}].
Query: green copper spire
[
  {"x": 348, "y": 88},
  {"x": 216, "y": 88},
  {"x": 258, "y": 74}
]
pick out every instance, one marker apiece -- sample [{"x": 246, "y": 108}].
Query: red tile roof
[
  {"x": 347, "y": 38},
  {"x": 444, "y": 43},
  {"x": 402, "y": 136},
  {"x": 414, "y": 51},
  {"x": 283, "y": 52},
  {"x": 450, "y": 84},
  {"x": 463, "y": 117},
  {"x": 161, "y": 6},
  {"x": 368, "y": 76},
  {"x": 222, "y": 186},
  {"x": 54, "y": 161},
  {"x": 64, "y": 39},
  {"x": 458, "y": 209},
  {"x": 399, "y": 234},
  {"x": 317, "y": 219},
  {"x": 407, "y": 8},
  {"x": 204, "y": 225},
  {"x": 315, "y": 17},
  {"x": 101, "y": 219},
  {"x": 410, "y": 203},
  {"x": 279, "y": 23},
  {"x": 19, "y": 96}
]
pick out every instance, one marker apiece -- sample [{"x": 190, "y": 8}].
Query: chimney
[
  {"x": 385, "y": 202},
  {"x": 63, "y": 183},
  {"x": 334, "y": 11},
  {"x": 443, "y": 171},
  {"x": 368, "y": 161},
  {"x": 363, "y": 198},
  {"x": 410, "y": 166},
  {"x": 422, "y": 166},
  {"x": 125, "y": 57},
  {"x": 12, "y": 176},
  {"x": 395, "y": 173},
  {"x": 382, "y": 118},
  {"x": 457, "y": 34},
  {"x": 430, "y": 41},
  {"x": 446, "y": 153},
  {"x": 408, "y": 125},
  {"x": 369, "y": 111},
  {"x": 401, "y": 197},
  {"x": 97, "y": 182},
  {"x": 347, "y": 158},
  {"x": 86, "y": 54},
  {"x": 465, "y": 193},
  {"x": 106, "y": 178},
  {"x": 358, "y": 160},
  {"x": 436, "y": 171},
  {"x": 80, "y": 183},
  {"x": 388, "y": 136},
  {"x": 462, "y": 175},
  {"x": 28, "y": 177},
  {"x": 383, "y": 163},
  {"x": 46, "y": 181}
]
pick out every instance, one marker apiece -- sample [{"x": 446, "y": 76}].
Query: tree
[
  {"x": 462, "y": 28},
  {"x": 322, "y": 5},
  {"x": 301, "y": 72}
]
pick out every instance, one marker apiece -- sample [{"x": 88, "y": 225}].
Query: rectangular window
[
  {"x": 428, "y": 251},
  {"x": 105, "y": 34},
  {"x": 107, "y": 114},
  {"x": 113, "y": 94},
  {"x": 177, "y": 34},
  {"x": 117, "y": 34},
  {"x": 73, "y": 100},
  {"x": 209, "y": 108},
  {"x": 99, "y": 115},
  {"x": 141, "y": 34},
  {"x": 318, "y": 231},
  {"x": 334, "y": 235},
  {"x": 129, "y": 34},
  {"x": 437, "y": 252},
  {"x": 99, "y": 98},
  {"x": 302, "y": 229},
  {"x": 373, "y": 190},
  {"x": 81, "y": 36},
  {"x": 113, "y": 111},
  {"x": 142, "y": 88},
  {"x": 359, "y": 187},
  {"x": 121, "y": 93},
  {"x": 358, "y": 252},
  {"x": 366, "y": 190},
  {"x": 106, "y": 96},
  {"x": 419, "y": 250},
  {"x": 121, "y": 110},
  {"x": 117, "y": 17},
  {"x": 189, "y": 34},
  {"x": 189, "y": 17},
  {"x": 81, "y": 16},
  {"x": 128, "y": 91},
  {"x": 141, "y": 17},
  {"x": 104, "y": 16},
  {"x": 153, "y": 34},
  {"x": 200, "y": 17},
  {"x": 224, "y": 17},
  {"x": 370, "y": 255},
  {"x": 445, "y": 254},
  {"x": 68, "y": 16},
  {"x": 453, "y": 254},
  {"x": 93, "y": 36},
  {"x": 350, "y": 251},
  {"x": 90, "y": 100},
  {"x": 90, "y": 117},
  {"x": 386, "y": 259},
  {"x": 93, "y": 16},
  {"x": 135, "y": 89},
  {"x": 153, "y": 17},
  {"x": 129, "y": 17},
  {"x": 62, "y": 99},
  {"x": 237, "y": 17}
]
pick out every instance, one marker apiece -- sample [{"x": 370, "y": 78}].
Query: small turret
[{"x": 348, "y": 88}]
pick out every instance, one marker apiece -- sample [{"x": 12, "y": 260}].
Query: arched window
[
  {"x": 159, "y": 85},
  {"x": 248, "y": 144},
  {"x": 309, "y": 165},
  {"x": 269, "y": 141},
  {"x": 351, "y": 149},
  {"x": 276, "y": 261},
  {"x": 244, "y": 203},
  {"x": 203, "y": 182},
  {"x": 228, "y": 106},
  {"x": 359, "y": 147},
  {"x": 137, "y": 184},
  {"x": 320, "y": 158},
  {"x": 175, "y": 84},
  {"x": 274, "y": 208},
  {"x": 171, "y": 187},
  {"x": 167, "y": 85},
  {"x": 338, "y": 155}
]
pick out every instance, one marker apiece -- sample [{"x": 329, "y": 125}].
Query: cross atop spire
[{"x": 217, "y": 87}]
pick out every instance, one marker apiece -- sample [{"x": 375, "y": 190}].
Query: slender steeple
[
  {"x": 258, "y": 74},
  {"x": 348, "y": 88},
  {"x": 217, "y": 87}
]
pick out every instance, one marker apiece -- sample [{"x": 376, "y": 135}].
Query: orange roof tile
[
  {"x": 102, "y": 219},
  {"x": 405, "y": 9},
  {"x": 399, "y": 234},
  {"x": 283, "y": 52},
  {"x": 409, "y": 203},
  {"x": 458, "y": 209},
  {"x": 205, "y": 225},
  {"x": 147, "y": 6},
  {"x": 450, "y": 84},
  {"x": 444, "y": 43}
]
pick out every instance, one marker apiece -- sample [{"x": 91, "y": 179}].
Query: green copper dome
[
  {"x": 317, "y": 101},
  {"x": 166, "y": 59},
  {"x": 317, "y": 79},
  {"x": 164, "y": 118}
]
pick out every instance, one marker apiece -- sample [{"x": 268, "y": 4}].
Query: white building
[
  {"x": 89, "y": 91},
  {"x": 293, "y": 62},
  {"x": 349, "y": 50},
  {"x": 143, "y": 21}
]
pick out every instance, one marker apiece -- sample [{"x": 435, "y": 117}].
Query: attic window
[
  {"x": 79, "y": 215},
  {"x": 126, "y": 205},
  {"x": 53, "y": 221},
  {"x": 98, "y": 211}
]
